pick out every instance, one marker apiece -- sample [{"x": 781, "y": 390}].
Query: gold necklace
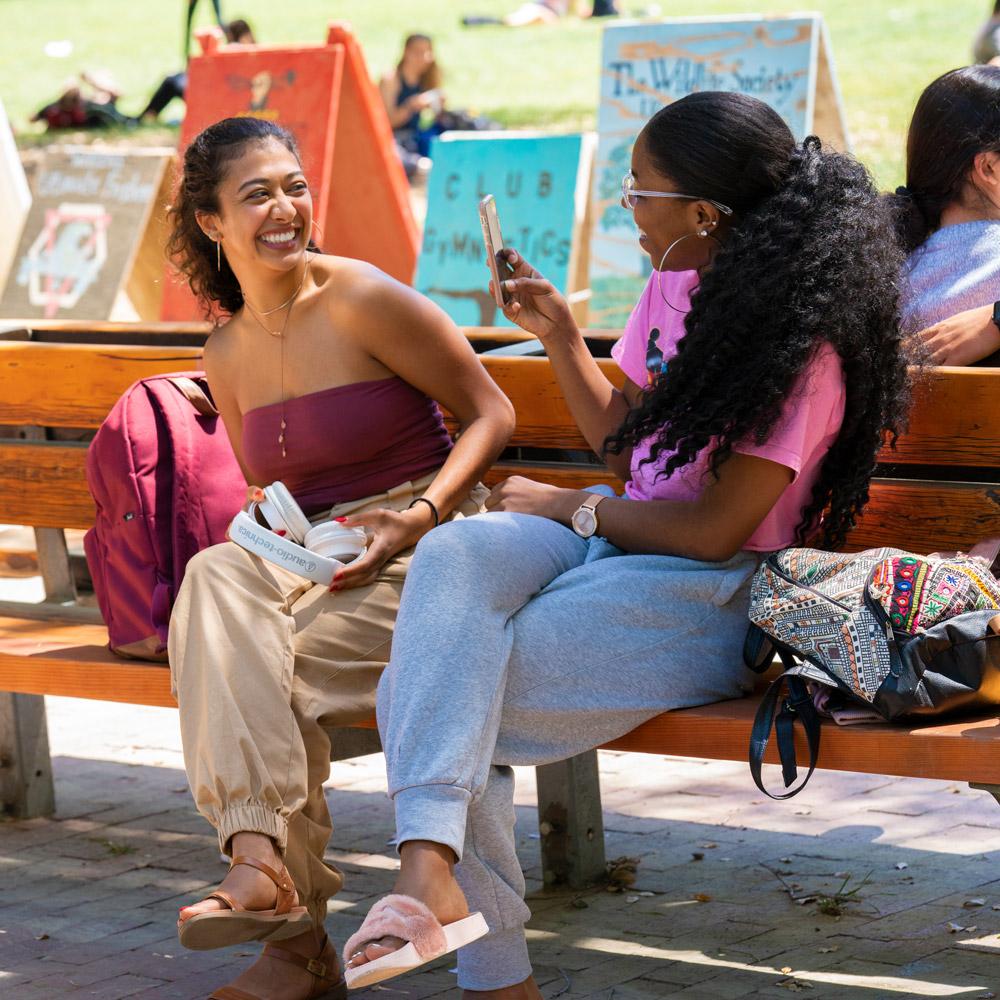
[
  {"x": 280, "y": 334},
  {"x": 258, "y": 314}
]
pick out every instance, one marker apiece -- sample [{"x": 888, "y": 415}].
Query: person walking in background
[
  {"x": 948, "y": 217},
  {"x": 189, "y": 23}
]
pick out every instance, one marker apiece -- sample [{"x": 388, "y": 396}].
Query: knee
[
  {"x": 218, "y": 564},
  {"x": 464, "y": 542}
]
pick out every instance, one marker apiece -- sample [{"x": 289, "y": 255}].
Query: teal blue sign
[{"x": 534, "y": 180}]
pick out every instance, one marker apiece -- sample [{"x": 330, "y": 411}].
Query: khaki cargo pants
[{"x": 262, "y": 662}]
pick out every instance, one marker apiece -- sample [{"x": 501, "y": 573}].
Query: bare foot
[
  {"x": 278, "y": 980},
  {"x": 426, "y": 873},
  {"x": 248, "y": 886}
]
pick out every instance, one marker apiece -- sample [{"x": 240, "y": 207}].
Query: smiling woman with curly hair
[{"x": 763, "y": 371}]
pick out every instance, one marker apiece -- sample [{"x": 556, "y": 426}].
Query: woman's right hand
[{"x": 534, "y": 303}]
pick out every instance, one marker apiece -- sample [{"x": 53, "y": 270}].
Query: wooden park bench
[{"x": 938, "y": 490}]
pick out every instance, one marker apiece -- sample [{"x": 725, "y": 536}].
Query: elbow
[
  {"x": 504, "y": 418},
  {"x": 712, "y": 546}
]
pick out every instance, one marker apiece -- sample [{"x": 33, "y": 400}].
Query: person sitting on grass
[
  {"x": 763, "y": 369},
  {"x": 411, "y": 89},
  {"x": 948, "y": 217}
]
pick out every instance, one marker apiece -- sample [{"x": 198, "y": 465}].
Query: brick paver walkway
[{"x": 727, "y": 901}]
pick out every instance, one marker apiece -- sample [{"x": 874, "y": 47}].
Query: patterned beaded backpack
[{"x": 895, "y": 633}]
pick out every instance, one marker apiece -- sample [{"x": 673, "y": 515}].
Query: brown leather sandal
[
  {"x": 325, "y": 968},
  {"x": 221, "y": 928}
]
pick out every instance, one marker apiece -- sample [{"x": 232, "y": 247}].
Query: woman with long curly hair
[
  {"x": 948, "y": 217},
  {"x": 325, "y": 375},
  {"x": 763, "y": 371}
]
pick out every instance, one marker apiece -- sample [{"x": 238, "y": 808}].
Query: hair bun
[{"x": 812, "y": 144}]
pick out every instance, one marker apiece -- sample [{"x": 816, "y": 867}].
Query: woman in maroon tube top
[{"x": 326, "y": 376}]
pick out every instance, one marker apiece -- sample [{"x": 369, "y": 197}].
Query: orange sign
[{"x": 322, "y": 94}]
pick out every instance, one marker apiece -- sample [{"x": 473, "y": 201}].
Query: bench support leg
[
  {"x": 570, "y": 821},
  {"x": 26, "y": 789}
]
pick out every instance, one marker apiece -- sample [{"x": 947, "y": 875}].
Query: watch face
[{"x": 585, "y": 523}]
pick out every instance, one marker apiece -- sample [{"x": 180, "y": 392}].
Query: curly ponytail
[
  {"x": 205, "y": 163},
  {"x": 810, "y": 258}
]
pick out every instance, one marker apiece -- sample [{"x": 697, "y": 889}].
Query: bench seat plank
[{"x": 73, "y": 661}]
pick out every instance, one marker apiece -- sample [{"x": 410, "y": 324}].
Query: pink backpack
[{"x": 166, "y": 484}]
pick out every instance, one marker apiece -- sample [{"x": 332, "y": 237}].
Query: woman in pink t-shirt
[{"x": 762, "y": 370}]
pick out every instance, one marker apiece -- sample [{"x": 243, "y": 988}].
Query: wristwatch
[
  {"x": 584, "y": 519},
  {"x": 996, "y": 314}
]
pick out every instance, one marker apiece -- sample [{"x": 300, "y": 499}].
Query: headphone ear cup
[{"x": 296, "y": 523}]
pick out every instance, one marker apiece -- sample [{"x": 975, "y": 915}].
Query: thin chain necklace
[
  {"x": 280, "y": 334},
  {"x": 258, "y": 315}
]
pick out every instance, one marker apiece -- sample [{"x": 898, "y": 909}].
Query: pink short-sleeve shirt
[{"x": 807, "y": 428}]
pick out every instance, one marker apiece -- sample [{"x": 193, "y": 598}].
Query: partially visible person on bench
[
  {"x": 764, "y": 364},
  {"x": 948, "y": 215},
  {"x": 325, "y": 376}
]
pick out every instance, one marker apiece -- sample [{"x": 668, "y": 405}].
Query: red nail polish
[
  {"x": 280, "y": 531},
  {"x": 340, "y": 518}
]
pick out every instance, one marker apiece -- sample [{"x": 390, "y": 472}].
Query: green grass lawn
[{"x": 885, "y": 53}]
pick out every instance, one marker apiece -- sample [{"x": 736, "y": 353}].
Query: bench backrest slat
[{"x": 954, "y": 420}]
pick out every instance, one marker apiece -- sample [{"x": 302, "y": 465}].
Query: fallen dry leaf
[
  {"x": 786, "y": 970},
  {"x": 702, "y": 897},
  {"x": 971, "y": 904},
  {"x": 827, "y": 951}
]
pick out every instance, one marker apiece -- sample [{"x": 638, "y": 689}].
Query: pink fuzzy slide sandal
[{"x": 407, "y": 918}]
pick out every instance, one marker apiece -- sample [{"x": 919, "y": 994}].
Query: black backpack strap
[
  {"x": 758, "y": 649},
  {"x": 797, "y": 706}
]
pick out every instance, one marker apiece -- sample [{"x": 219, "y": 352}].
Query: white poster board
[
  {"x": 15, "y": 195},
  {"x": 784, "y": 61}
]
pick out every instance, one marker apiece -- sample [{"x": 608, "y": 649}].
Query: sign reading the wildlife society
[
  {"x": 783, "y": 61},
  {"x": 82, "y": 232},
  {"x": 540, "y": 186}
]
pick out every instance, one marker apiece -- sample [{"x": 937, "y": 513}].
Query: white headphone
[{"x": 316, "y": 553}]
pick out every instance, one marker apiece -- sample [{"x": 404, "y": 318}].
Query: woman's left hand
[
  {"x": 390, "y": 532},
  {"x": 525, "y": 496}
]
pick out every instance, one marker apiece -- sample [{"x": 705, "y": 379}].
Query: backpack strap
[
  {"x": 758, "y": 649},
  {"x": 797, "y": 706},
  {"x": 194, "y": 394}
]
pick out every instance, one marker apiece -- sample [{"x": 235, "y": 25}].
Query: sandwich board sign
[
  {"x": 82, "y": 232},
  {"x": 323, "y": 95},
  {"x": 541, "y": 186},
  {"x": 784, "y": 61}
]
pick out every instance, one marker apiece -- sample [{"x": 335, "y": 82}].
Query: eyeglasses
[{"x": 631, "y": 196}]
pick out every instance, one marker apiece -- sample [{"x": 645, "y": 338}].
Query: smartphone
[{"x": 500, "y": 270}]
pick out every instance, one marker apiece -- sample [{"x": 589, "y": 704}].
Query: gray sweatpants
[{"x": 518, "y": 642}]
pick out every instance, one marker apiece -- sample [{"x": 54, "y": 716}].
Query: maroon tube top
[{"x": 346, "y": 442}]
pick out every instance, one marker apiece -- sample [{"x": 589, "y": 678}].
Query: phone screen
[{"x": 493, "y": 241}]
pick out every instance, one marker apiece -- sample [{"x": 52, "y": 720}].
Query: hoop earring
[
  {"x": 318, "y": 230},
  {"x": 701, "y": 234},
  {"x": 218, "y": 255}
]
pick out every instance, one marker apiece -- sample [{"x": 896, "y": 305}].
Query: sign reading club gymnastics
[
  {"x": 539, "y": 193},
  {"x": 783, "y": 61}
]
